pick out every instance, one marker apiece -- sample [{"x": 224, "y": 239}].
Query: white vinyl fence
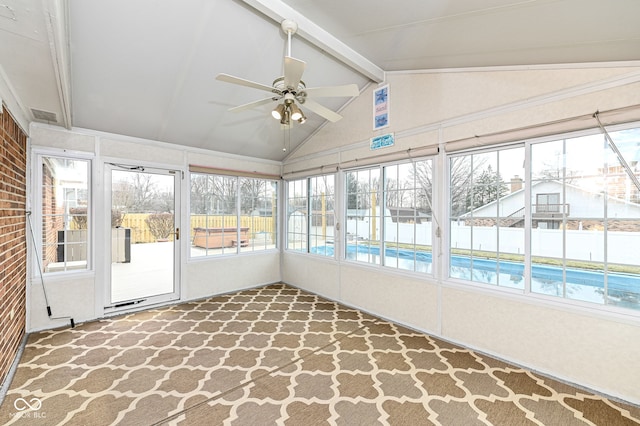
[{"x": 623, "y": 247}]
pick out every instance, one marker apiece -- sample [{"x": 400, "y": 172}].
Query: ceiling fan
[{"x": 291, "y": 90}]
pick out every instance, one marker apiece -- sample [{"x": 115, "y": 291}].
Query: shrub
[
  {"x": 160, "y": 225},
  {"x": 79, "y": 215}
]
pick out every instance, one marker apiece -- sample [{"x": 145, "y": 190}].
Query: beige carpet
[{"x": 279, "y": 355}]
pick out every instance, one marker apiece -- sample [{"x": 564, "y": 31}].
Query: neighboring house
[
  {"x": 581, "y": 208},
  {"x": 407, "y": 215},
  {"x": 402, "y": 224},
  {"x": 358, "y": 214},
  {"x": 397, "y": 214}
]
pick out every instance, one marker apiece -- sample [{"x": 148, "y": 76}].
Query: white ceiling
[{"x": 146, "y": 68}]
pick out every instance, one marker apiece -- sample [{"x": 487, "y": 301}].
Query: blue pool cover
[{"x": 616, "y": 281}]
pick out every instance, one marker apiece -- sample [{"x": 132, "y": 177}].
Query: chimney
[{"x": 516, "y": 183}]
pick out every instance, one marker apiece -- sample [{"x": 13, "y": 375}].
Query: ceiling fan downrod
[{"x": 290, "y": 28}]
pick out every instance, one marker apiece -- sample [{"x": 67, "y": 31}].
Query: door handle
[{"x": 177, "y": 233}]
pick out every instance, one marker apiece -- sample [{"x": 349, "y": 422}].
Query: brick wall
[{"x": 13, "y": 250}]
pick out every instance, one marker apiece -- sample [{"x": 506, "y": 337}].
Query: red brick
[{"x": 13, "y": 279}]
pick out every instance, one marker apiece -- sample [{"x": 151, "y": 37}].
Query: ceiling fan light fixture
[
  {"x": 296, "y": 114},
  {"x": 285, "y": 117},
  {"x": 302, "y": 118},
  {"x": 278, "y": 112}
]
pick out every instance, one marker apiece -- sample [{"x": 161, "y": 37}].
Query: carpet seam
[{"x": 249, "y": 382}]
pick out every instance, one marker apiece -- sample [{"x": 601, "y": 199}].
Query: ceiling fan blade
[
  {"x": 293, "y": 69},
  {"x": 253, "y": 104},
  {"x": 331, "y": 91},
  {"x": 248, "y": 83},
  {"x": 322, "y": 111}
]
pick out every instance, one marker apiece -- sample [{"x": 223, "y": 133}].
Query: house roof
[{"x": 521, "y": 192}]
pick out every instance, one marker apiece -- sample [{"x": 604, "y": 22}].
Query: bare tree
[
  {"x": 224, "y": 194},
  {"x": 200, "y": 194},
  {"x": 422, "y": 173},
  {"x": 144, "y": 191},
  {"x": 122, "y": 195},
  {"x": 252, "y": 194}
]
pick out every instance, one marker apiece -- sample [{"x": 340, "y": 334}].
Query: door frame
[{"x": 144, "y": 302}]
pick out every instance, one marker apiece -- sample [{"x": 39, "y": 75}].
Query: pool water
[{"x": 585, "y": 285}]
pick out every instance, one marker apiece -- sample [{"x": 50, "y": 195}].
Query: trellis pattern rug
[{"x": 279, "y": 355}]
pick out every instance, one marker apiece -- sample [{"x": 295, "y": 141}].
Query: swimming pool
[{"x": 623, "y": 289}]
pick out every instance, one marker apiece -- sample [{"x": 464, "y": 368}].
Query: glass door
[{"x": 144, "y": 241}]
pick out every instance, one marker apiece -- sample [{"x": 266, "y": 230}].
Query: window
[
  {"x": 363, "y": 215},
  {"x": 586, "y": 219},
  {"x": 258, "y": 213},
  {"x": 321, "y": 215},
  {"x": 487, "y": 217},
  {"x": 396, "y": 211},
  {"x": 547, "y": 203},
  {"x": 65, "y": 213},
  {"x": 311, "y": 215},
  {"x": 407, "y": 216},
  {"x": 581, "y": 217},
  {"x": 231, "y": 214},
  {"x": 297, "y": 207}
]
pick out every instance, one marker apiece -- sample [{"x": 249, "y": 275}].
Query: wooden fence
[{"x": 140, "y": 232}]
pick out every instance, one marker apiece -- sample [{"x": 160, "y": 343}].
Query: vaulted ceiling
[{"x": 147, "y": 68}]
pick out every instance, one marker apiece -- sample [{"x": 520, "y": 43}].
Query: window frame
[
  {"x": 563, "y": 209},
  {"x": 378, "y": 257},
  {"x": 500, "y": 252},
  {"x": 36, "y": 219},
  {"x": 241, "y": 247},
  {"x": 307, "y": 237}
]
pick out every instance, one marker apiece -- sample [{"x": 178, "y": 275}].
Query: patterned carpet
[{"x": 279, "y": 355}]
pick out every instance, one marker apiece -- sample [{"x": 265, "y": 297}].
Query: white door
[{"x": 144, "y": 242}]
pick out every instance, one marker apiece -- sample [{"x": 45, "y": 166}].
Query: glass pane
[
  {"x": 65, "y": 214},
  {"x": 460, "y": 195},
  {"x": 568, "y": 218},
  {"x": 623, "y": 224},
  {"x": 201, "y": 206},
  {"x": 214, "y": 217},
  {"x": 487, "y": 218},
  {"x": 547, "y": 218},
  {"x": 407, "y": 216},
  {"x": 142, "y": 234},
  {"x": 483, "y": 217},
  {"x": 258, "y": 214},
  {"x": 297, "y": 215},
  {"x": 510, "y": 222},
  {"x": 322, "y": 216},
  {"x": 363, "y": 215},
  {"x": 584, "y": 217}
]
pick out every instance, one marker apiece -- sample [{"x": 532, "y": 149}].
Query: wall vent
[{"x": 39, "y": 114}]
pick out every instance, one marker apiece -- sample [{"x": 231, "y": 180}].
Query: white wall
[
  {"x": 80, "y": 295},
  {"x": 582, "y": 343}
]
